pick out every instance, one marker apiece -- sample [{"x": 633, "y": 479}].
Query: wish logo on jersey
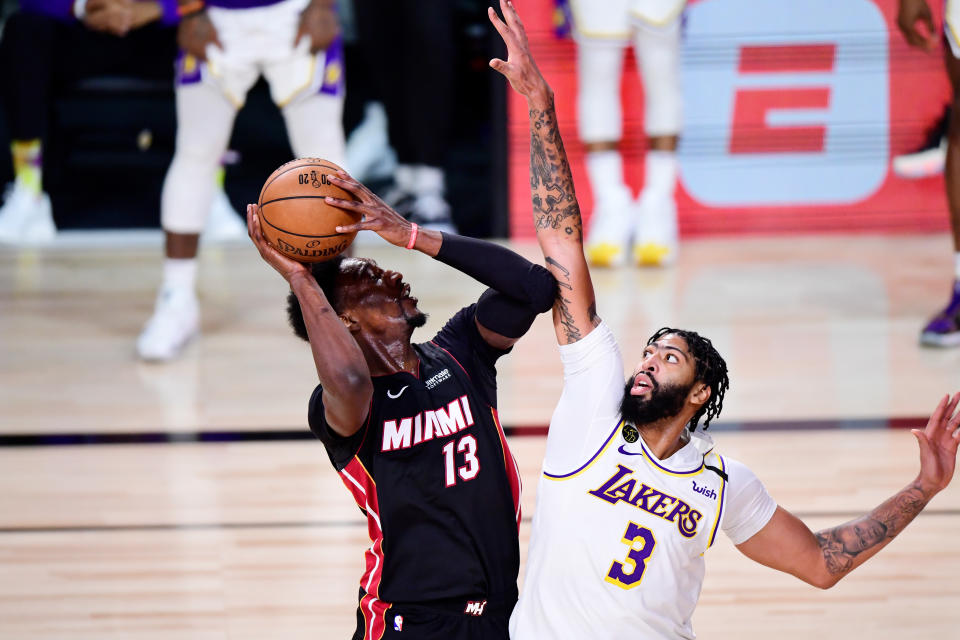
[{"x": 621, "y": 487}]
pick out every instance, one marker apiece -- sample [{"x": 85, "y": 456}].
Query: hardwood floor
[{"x": 259, "y": 539}]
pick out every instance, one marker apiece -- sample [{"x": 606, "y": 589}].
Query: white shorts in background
[
  {"x": 615, "y": 19},
  {"x": 260, "y": 41}
]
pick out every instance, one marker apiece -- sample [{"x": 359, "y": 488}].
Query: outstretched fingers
[
  {"x": 343, "y": 180},
  {"x": 512, "y": 17},
  {"x": 950, "y": 435}
]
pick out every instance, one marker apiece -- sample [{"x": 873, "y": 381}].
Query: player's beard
[
  {"x": 416, "y": 320},
  {"x": 663, "y": 401}
]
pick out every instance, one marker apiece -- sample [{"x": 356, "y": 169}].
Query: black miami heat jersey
[{"x": 432, "y": 472}]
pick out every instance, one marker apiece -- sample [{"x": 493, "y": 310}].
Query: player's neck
[
  {"x": 386, "y": 357},
  {"x": 664, "y": 437}
]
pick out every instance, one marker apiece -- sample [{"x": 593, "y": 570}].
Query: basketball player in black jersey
[{"x": 413, "y": 428}]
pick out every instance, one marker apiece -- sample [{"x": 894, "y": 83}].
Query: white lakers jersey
[{"x": 619, "y": 536}]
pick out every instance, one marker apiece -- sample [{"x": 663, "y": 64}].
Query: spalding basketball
[{"x": 295, "y": 218}]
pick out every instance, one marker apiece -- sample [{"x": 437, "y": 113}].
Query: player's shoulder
[{"x": 738, "y": 473}]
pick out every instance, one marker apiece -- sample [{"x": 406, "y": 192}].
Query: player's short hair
[
  {"x": 325, "y": 273},
  {"x": 709, "y": 368}
]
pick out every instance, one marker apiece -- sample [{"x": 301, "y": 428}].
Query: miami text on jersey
[
  {"x": 427, "y": 425},
  {"x": 650, "y": 500}
]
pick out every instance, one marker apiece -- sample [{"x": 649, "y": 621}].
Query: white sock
[
  {"x": 956, "y": 266},
  {"x": 605, "y": 169},
  {"x": 661, "y": 172},
  {"x": 180, "y": 274}
]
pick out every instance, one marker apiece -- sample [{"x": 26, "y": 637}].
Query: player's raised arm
[
  {"x": 823, "y": 558},
  {"x": 556, "y": 213},
  {"x": 341, "y": 367}
]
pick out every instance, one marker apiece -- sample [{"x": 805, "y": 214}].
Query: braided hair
[{"x": 710, "y": 369}]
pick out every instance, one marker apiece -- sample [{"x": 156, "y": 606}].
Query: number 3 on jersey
[
  {"x": 641, "y": 543},
  {"x": 467, "y": 445}
]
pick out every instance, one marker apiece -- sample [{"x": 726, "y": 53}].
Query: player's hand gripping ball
[{"x": 295, "y": 218}]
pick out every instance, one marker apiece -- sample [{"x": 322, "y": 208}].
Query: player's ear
[
  {"x": 349, "y": 321},
  {"x": 700, "y": 394}
]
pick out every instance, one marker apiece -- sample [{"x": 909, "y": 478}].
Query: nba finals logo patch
[
  {"x": 398, "y": 623},
  {"x": 630, "y": 433}
]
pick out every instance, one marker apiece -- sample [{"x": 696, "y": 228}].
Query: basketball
[{"x": 295, "y": 218}]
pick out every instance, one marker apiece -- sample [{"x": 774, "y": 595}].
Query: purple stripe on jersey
[
  {"x": 650, "y": 457},
  {"x": 187, "y": 69},
  {"x": 332, "y": 78},
  {"x": 241, "y": 4},
  {"x": 723, "y": 492},
  {"x": 592, "y": 458}
]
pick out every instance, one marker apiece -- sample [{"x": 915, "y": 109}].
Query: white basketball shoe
[
  {"x": 175, "y": 321},
  {"x": 26, "y": 217},
  {"x": 655, "y": 238},
  {"x": 608, "y": 239}
]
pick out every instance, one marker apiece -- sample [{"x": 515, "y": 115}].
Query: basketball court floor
[{"x": 188, "y": 500}]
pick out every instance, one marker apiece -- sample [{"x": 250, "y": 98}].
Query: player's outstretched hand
[
  {"x": 377, "y": 214},
  {"x": 911, "y": 13},
  {"x": 319, "y": 23},
  {"x": 285, "y": 266},
  {"x": 519, "y": 67},
  {"x": 938, "y": 445}
]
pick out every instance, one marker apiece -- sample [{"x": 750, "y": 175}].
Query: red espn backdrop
[{"x": 749, "y": 143}]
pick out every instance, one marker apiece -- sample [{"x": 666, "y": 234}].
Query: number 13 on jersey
[{"x": 641, "y": 543}]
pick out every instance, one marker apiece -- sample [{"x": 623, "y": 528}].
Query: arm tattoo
[
  {"x": 551, "y": 182},
  {"x": 841, "y": 545},
  {"x": 562, "y": 305}
]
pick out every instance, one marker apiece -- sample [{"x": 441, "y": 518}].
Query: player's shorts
[
  {"x": 260, "y": 41},
  {"x": 951, "y": 25},
  {"x": 453, "y": 619},
  {"x": 614, "y": 19}
]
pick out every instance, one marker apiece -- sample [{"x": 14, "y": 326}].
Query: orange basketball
[{"x": 295, "y": 218}]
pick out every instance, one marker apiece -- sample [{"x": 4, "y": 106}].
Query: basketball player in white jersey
[
  {"x": 226, "y": 45},
  {"x": 943, "y": 330},
  {"x": 602, "y": 30},
  {"x": 633, "y": 493}
]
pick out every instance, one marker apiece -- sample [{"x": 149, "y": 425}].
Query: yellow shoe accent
[
  {"x": 652, "y": 254},
  {"x": 27, "y": 164},
  {"x": 604, "y": 254}
]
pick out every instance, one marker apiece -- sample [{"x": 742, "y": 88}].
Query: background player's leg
[
  {"x": 600, "y": 124},
  {"x": 28, "y": 55},
  {"x": 943, "y": 330},
  {"x": 421, "y": 130},
  {"x": 314, "y": 127},
  {"x": 314, "y": 116},
  {"x": 409, "y": 46},
  {"x": 204, "y": 122},
  {"x": 658, "y": 52}
]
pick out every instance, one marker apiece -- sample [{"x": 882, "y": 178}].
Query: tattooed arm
[
  {"x": 556, "y": 214},
  {"x": 823, "y": 558}
]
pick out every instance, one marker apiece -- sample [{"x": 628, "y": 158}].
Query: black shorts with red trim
[{"x": 482, "y": 618}]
